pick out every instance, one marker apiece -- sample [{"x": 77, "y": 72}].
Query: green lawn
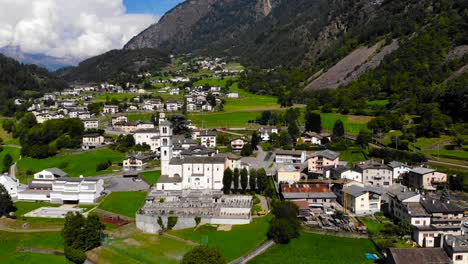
[
  {"x": 378, "y": 102},
  {"x": 450, "y": 154},
  {"x": 352, "y": 124},
  {"x": 427, "y": 142},
  {"x": 151, "y": 177},
  {"x": 123, "y": 203},
  {"x": 14, "y": 152},
  {"x": 73, "y": 164},
  {"x": 233, "y": 244},
  {"x": 26, "y": 207},
  {"x": 10, "y": 241},
  {"x": 139, "y": 117},
  {"x": 120, "y": 96},
  {"x": 141, "y": 248},
  {"x": 249, "y": 101},
  {"x": 373, "y": 226},
  {"x": 353, "y": 155},
  {"x": 7, "y": 138},
  {"x": 323, "y": 249},
  {"x": 221, "y": 119}
]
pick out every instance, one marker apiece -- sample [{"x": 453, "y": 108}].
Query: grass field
[
  {"x": 73, "y": 164},
  {"x": 222, "y": 119},
  {"x": 26, "y": 207},
  {"x": 151, "y": 177},
  {"x": 233, "y": 244},
  {"x": 373, "y": 226},
  {"x": 14, "y": 152},
  {"x": 427, "y": 142},
  {"x": 140, "y": 248},
  {"x": 10, "y": 241},
  {"x": 450, "y": 154},
  {"x": 353, "y": 155},
  {"x": 123, "y": 203},
  {"x": 7, "y": 138},
  {"x": 312, "y": 248},
  {"x": 138, "y": 117},
  {"x": 249, "y": 101},
  {"x": 352, "y": 124}
]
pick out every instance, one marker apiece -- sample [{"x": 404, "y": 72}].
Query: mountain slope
[{"x": 116, "y": 64}]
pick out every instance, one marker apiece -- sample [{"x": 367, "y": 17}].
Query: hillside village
[{"x": 179, "y": 174}]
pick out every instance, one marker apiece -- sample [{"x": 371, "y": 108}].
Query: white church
[{"x": 183, "y": 173}]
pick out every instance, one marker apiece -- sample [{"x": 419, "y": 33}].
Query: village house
[
  {"x": 313, "y": 138},
  {"x": 417, "y": 256},
  {"x": 338, "y": 172},
  {"x": 456, "y": 248},
  {"x": 111, "y": 109},
  {"x": 149, "y": 137},
  {"x": 374, "y": 173},
  {"x": 317, "y": 195},
  {"x": 320, "y": 159},
  {"x": 232, "y": 95},
  {"x": 237, "y": 144},
  {"x": 266, "y": 132},
  {"x": 208, "y": 138},
  {"x": 134, "y": 163},
  {"x": 50, "y": 174},
  {"x": 399, "y": 169},
  {"x": 290, "y": 156},
  {"x": 207, "y": 107},
  {"x": 446, "y": 219},
  {"x": 404, "y": 205},
  {"x": 119, "y": 119},
  {"x": 92, "y": 141},
  {"x": 288, "y": 173},
  {"x": 10, "y": 184},
  {"x": 90, "y": 124},
  {"x": 425, "y": 178},
  {"x": 360, "y": 200},
  {"x": 172, "y": 106}
]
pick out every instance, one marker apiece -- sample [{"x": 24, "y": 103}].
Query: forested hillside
[
  {"x": 20, "y": 80},
  {"x": 116, "y": 65}
]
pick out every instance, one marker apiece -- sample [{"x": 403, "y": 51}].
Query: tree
[
  {"x": 445, "y": 196},
  {"x": 203, "y": 255},
  {"x": 313, "y": 122},
  {"x": 227, "y": 181},
  {"x": 235, "y": 179},
  {"x": 338, "y": 129},
  {"x": 261, "y": 179},
  {"x": 364, "y": 137},
  {"x": 246, "y": 150},
  {"x": 293, "y": 131},
  {"x": 211, "y": 99},
  {"x": 404, "y": 228},
  {"x": 93, "y": 229},
  {"x": 244, "y": 179},
  {"x": 7, "y": 162},
  {"x": 255, "y": 140},
  {"x": 285, "y": 225},
  {"x": 253, "y": 180},
  {"x": 6, "y": 204}
]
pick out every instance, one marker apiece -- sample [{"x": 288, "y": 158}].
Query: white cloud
[{"x": 72, "y": 29}]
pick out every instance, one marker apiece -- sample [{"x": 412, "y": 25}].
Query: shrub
[
  {"x": 197, "y": 220},
  {"x": 161, "y": 223},
  {"x": 75, "y": 255},
  {"x": 202, "y": 255},
  {"x": 102, "y": 166},
  {"x": 171, "y": 222}
]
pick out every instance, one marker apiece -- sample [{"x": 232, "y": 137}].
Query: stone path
[{"x": 260, "y": 249}]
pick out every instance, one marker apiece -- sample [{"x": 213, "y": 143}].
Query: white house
[
  {"x": 232, "y": 95},
  {"x": 149, "y": 137},
  {"x": 10, "y": 184},
  {"x": 342, "y": 172},
  {"x": 133, "y": 163},
  {"x": 398, "y": 169},
  {"x": 361, "y": 200},
  {"x": 290, "y": 156},
  {"x": 237, "y": 144},
  {"x": 208, "y": 138},
  {"x": 92, "y": 141},
  {"x": 50, "y": 174},
  {"x": 91, "y": 124},
  {"x": 172, "y": 106},
  {"x": 111, "y": 109},
  {"x": 265, "y": 133}
]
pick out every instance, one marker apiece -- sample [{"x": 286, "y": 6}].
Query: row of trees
[{"x": 255, "y": 180}]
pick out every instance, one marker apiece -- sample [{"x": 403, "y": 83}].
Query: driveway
[{"x": 121, "y": 184}]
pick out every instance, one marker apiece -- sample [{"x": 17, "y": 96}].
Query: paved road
[
  {"x": 13, "y": 171},
  {"x": 448, "y": 164}
]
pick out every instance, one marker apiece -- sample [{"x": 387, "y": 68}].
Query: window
[
  {"x": 362, "y": 199},
  {"x": 459, "y": 257},
  {"x": 417, "y": 222}
]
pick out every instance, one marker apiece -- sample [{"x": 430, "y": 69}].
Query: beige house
[
  {"x": 91, "y": 141},
  {"x": 111, "y": 109},
  {"x": 362, "y": 200},
  {"x": 237, "y": 144},
  {"x": 289, "y": 173},
  {"x": 321, "y": 159},
  {"x": 425, "y": 178},
  {"x": 133, "y": 163}
]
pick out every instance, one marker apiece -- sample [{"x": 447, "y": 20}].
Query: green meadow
[{"x": 123, "y": 203}]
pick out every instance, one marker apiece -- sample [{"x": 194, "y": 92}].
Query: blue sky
[{"x": 156, "y": 7}]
